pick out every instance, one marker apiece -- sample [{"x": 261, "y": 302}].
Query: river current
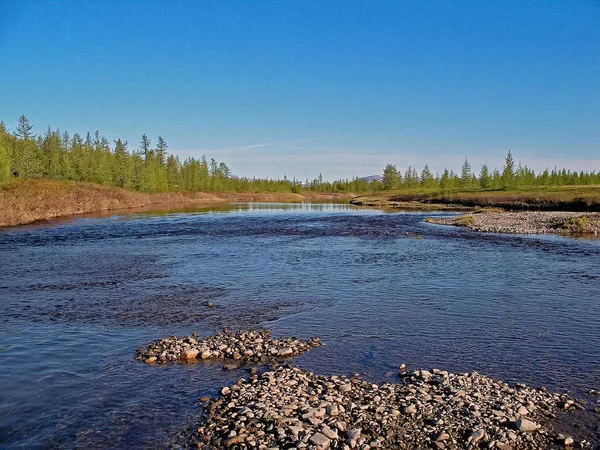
[{"x": 78, "y": 296}]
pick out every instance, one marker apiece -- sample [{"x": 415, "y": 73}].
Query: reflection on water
[{"x": 79, "y": 296}]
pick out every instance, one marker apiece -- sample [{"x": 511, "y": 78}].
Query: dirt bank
[{"x": 26, "y": 201}]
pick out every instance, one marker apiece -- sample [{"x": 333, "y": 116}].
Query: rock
[
  {"x": 235, "y": 440},
  {"x": 441, "y": 436},
  {"x": 150, "y": 360},
  {"x": 476, "y": 436},
  {"x": 522, "y": 411},
  {"x": 320, "y": 441},
  {"x": 328, "y": 432},
  {"x": 286, "y": 352},
  {"x": 352, "y": 437},
  {"x": 230, "y": 367},
  {"x": 526, "y": 425},
  {"x": 411, "y": 409},
  {"x": 345, "y": 387},
  {"x": 191, "y": 353}
]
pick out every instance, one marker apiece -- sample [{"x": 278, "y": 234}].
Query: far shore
[{"x": 28, "y": 201}]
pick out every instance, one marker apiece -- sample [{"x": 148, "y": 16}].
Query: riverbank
[
  {"x": 526, "y": 222},
  {"x": 556, "y": 198},
  {"x": 26, "y": 201}
]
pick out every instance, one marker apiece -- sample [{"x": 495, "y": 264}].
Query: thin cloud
[{"x": 270, "y": 144}]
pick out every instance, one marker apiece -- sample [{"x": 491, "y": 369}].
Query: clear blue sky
[{"x": 338, "y": 87}]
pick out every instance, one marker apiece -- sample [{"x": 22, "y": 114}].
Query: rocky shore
[
  {"x": 526, "y": 222},
  {"x": 291, "y": 408},
  {"x": 242, "y": 347}
]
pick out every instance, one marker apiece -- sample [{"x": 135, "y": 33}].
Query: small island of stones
[{"x": 257, "y": 346}]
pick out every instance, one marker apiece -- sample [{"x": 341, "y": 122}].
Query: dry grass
[
  {"x": 576, "y": 198},
  {"x": 26, "y": 201}
]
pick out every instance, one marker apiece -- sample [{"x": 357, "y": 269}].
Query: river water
[{"x": 78, "y": 296}]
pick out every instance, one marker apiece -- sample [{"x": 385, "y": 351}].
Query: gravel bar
[
  {"x": 526, "y": 222},
  {"x": 287, "y": 407}
]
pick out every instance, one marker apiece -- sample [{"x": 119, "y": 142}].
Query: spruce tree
[{"x": 508, "y": 174}]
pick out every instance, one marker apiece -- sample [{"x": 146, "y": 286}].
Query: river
[{"x": 380, "y": 288}]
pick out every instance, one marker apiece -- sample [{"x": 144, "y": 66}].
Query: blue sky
[{"x": 302, "y": 87}]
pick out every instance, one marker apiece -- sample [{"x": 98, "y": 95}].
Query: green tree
[
  {"x": 24, "y": 128},
  {"x": 508, "y": 173},
  {"x": 391, "y": 177},
  {"x": 145, "y": 146},
  {"x": 485, "y": 180},
  {"x": 161, "y": 150},
  {"x": 427, "y": 179},
  {"x": 465, "y": 173}
]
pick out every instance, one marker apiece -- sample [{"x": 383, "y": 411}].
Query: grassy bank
[
  {"x": 555, "y": 198},
  {"x": 26, "y": 201}
]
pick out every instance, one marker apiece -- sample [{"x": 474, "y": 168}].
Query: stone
[
  {"x": 476, "y": 436},
  {"x": 150, "y": 360},
  {"x": 328, "y": 432},
  {"x": 410, "y": 409},
  {"x": 189, "y": 354},
  {"x": 352, "y": 437},
  {"x": 286, "y": 352},
  {"x": 441, "y": 436},
  {"x": 526, "y": 425},
  {"x": 522, "y": 411},
  {"x": 320, "y": 441}
]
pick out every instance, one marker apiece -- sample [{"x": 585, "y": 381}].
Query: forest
[{"x": 151, "y": 168}]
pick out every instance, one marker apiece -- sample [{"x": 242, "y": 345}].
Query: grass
[{"x": 575, "y": 198}]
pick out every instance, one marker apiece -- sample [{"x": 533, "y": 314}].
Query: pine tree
[
  {"x": 145, "y": 146},
  {"x": 24, "y": 128},
  {"x": 508, "y": 174},
  {"x": 161, "y": 150},
  {"x": 426, "y": 176},
  {"x": 391, "y": 177},
  {"x": 484, "y": 177},
  {"x": 465, "y": 173}
]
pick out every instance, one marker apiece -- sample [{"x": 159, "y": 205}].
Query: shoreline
[{"x": 27, "y": 201}]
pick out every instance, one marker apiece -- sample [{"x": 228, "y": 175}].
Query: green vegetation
[{"x": 60, "y": 156}]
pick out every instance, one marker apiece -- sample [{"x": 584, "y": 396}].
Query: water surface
[{"x": 78, "y": 297}]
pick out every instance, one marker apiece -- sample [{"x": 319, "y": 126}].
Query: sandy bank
[{"x": 26, "y": 201}]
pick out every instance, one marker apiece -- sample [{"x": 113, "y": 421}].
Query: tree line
[
  {"x": 61, "y": 156},
  {"x": 512, "y": 176}
]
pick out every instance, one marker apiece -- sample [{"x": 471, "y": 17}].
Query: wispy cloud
[{"x": 270, "y": 144}]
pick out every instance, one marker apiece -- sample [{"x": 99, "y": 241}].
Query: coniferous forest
[{"x": 149, "y": 167}]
